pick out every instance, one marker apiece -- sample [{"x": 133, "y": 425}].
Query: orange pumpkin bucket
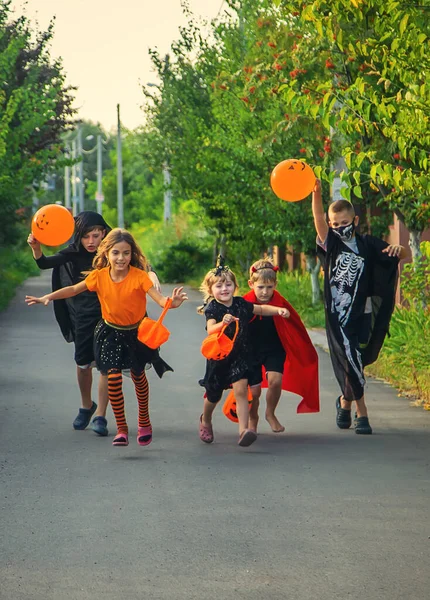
[
  {"x": 230, "y": 410},
  {"x": 218, "y": 346},
  {"x": 154, "y": 333}
]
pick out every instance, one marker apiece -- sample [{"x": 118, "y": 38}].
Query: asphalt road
[{"x": 315, "y": 513}]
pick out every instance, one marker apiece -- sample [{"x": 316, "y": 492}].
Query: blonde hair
[
  {"x": 114, "y": 237},
  {"x": 210, "y": 279},
  {"x": 263, "y": 270}
]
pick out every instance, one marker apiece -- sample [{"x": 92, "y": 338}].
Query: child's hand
[
  {"x": 317, "y": 187},
  {"x": 227, "y": 319},
  {"x": 393, "y": 250},
  {"x": 284, "y": 312},
  {"x": 33, "y": 243},
  {"x": 33, "y": 300},
  {"x": 178, "y": 296}
]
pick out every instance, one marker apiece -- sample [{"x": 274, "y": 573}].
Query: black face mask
[{"x": 345, "y": 232}]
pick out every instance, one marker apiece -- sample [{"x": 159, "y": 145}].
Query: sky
[{"x": 104, "y": 47}]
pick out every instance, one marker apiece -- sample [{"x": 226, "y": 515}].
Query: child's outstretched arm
[
  {"x": 318, "y": 212},
  {"x": 178, "y": 296},
  {"x": 265, "y": 310},
  {"x": 66, "y": 292}
]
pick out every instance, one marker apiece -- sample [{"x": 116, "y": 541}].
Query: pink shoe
[
  {"x": 206, "y": 433},
  {"x": 144, "y": 436},
  {"x": 121, "y": 439}
]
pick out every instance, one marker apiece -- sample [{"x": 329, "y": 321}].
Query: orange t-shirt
[{"x": 123, "y": 303}]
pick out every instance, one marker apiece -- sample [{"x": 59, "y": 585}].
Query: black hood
[{"x": 84, "y": 222}]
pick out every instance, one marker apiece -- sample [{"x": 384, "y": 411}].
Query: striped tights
[{"x": 116, "y": 399}]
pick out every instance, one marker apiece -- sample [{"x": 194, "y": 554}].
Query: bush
[
  {"x": 16, "y": 266},
  {"x": 405, "y": 359},
  {"x": 181, "y": 261},
  {"x": 296, "y": 288}
]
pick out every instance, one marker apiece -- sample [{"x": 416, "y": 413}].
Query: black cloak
[
  {"x": 67, "y": 267},
  {"x": 359, "y": 296}
]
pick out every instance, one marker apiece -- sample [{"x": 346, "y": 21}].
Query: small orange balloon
[
  {"x": 53, "y": 225},
  {"x": 292, "y": 180}
]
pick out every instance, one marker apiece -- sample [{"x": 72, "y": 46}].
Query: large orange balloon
[
  {"x": 52, "y": 225},
  {"x": 292, "y": 180}
]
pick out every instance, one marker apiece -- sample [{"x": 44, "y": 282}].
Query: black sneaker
[
  {"x": 362, "y": 426},
  {"x": 84, "y": 417},
  {"x": 343, "y": 416}
]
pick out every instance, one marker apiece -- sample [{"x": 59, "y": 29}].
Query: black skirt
[{"x": 119, "y": 349}]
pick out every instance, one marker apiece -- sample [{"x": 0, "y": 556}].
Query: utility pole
[
  {"x": 67, "y": 180},
  {"x": 167, "y": 193},
  {"x": 74, "y": 177},
  {"x": 119, "y": 174},
  {"x": 80, "y": 170},
  {"x": 99, "y": 195}
]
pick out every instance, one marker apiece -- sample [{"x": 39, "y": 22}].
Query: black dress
[
  {"x": 359, "y": 293},
  {"x": 220, "y": 374}
]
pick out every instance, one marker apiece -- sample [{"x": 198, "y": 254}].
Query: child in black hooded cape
[{"x": 78, "y": 316}]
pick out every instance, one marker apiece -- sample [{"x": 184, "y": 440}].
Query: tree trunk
[
  {"x": 223, "y": 246},
  {"x": 313, "y": 267},
  {"x": 414, "y": 243}
]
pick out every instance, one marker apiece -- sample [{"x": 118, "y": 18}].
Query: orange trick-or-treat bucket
[
  {"x": 218, "y": 346},
  {"x": 153, "y": 333}
]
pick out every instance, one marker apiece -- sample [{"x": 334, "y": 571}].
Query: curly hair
[
  {"x": 116, "y": 236},
  {"x": 210, "y": 279},
  {"x": 263, "y": 270}
]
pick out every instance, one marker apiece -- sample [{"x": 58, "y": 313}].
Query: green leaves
[{"x": 35, "y": 110}]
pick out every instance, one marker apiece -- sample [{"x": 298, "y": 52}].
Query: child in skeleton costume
[{"x": 360, "y": 278}]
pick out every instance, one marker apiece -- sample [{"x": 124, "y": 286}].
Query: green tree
[
  {"x": 375, "y": 93},
  {"x": 35, "y": 111}
]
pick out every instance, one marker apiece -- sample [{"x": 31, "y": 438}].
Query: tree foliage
[
  {"x": 318, "y": 80},
  {"x": 35, "y": 110}
]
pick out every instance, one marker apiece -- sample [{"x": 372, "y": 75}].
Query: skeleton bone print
[{"x": 344, "y": 282}]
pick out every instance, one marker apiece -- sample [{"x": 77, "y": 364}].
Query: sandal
[
  {"x": 206, "y": 432},
  {"x": 84, "y": 417},
  {"x": 343, "y": 416},
  {"x": 247, "y": 437},
  {"x": 144, "y": 435},
  {"x": 362, "y": 426},
  {"x": 121, "y": 439}
]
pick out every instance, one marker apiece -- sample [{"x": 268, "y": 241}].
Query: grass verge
[
  {"x": 16, "y": 266},
  {"x": 405, "y": 358}
]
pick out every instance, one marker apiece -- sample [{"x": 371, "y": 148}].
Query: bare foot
[
  {"x": 275, "y": 424},
  {"x": 253, "y": 423}
]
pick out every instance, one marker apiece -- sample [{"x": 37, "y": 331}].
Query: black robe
[
  {"x": 67, "y": 267},
  {"x": 359, "y": 295}
]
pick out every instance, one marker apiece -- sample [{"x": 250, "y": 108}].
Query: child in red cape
[{"x": 284, "y": 356}]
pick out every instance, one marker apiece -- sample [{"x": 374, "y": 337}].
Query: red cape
[{"x": 301, "y": 364}]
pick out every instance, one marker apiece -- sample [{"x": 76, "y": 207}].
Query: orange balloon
[
  {"x": 53, "y": 225},
  {"x": 292, "y": 180}
]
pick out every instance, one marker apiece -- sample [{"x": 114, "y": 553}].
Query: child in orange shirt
[{"x": 120, "y": 280}]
